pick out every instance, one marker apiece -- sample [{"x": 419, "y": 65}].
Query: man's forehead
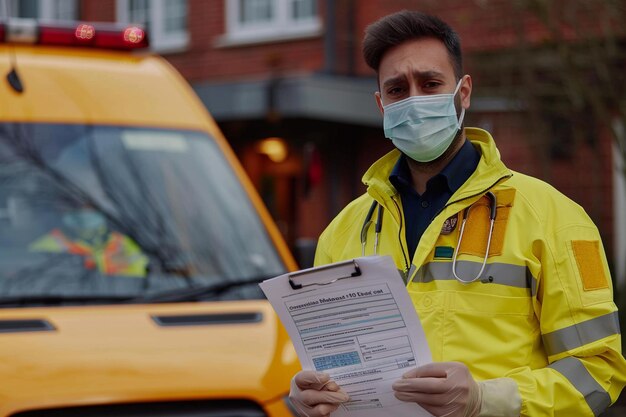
[{"x": 416, "y": 58}]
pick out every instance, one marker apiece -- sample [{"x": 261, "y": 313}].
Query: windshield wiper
[
  {"x": 198, "y": 293},
  {"x": 50, "y": 300}
]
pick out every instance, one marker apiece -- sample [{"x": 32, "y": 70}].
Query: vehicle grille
[
  {"x": 15, "y": 326},
  {"x": 207, "y": 319},
  {"x": 160, "y": 409}
]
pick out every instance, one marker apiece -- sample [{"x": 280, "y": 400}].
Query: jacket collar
[{"x": 489, "y": 171}]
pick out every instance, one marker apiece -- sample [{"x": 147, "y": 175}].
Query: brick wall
[
  {"x": 98, "y": 10},
  {"x": 204, "y": 60}
]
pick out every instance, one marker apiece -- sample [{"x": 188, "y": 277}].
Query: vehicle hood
[{"x": 145, "y": 353}]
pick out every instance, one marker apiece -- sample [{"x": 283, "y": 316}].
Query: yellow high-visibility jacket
[
  {"x": 118, "y": 255},
  {"x": 542, "y": 313}
]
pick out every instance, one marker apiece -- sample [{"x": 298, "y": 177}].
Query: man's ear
[
  {"x": 379, "y": 102},
  {"x": 465, "y": 91}
]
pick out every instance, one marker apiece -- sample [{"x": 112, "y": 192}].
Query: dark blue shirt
[{"x": 419, "y": 210}]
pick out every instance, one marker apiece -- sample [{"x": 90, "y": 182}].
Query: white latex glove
[
  {"x": 441, "y": 388},
  {"x": 314, "y": 394}
]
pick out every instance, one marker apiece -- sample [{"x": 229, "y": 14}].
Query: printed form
[{"x": 355, "y": 321}]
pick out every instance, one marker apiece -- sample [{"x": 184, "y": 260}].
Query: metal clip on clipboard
[{"x": 329, "y": 274}]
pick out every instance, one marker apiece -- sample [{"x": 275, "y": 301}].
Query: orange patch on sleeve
[{"x": 587, "y": 254}]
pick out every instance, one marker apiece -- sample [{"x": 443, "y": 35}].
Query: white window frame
[
  {"x": 619, "y": 204},
  {"x": 282, "y": 27},
  {"x": 46, "y": 9},
  {"x": 160, "y": 41}
]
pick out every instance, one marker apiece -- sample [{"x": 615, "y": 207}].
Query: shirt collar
[
  {"x": 458, "y": 170},
  {"x": 400, "y": 175},
  {"x": 461, "y": 167}
]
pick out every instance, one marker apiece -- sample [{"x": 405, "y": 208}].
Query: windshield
[{"x": 101, "y": 212}]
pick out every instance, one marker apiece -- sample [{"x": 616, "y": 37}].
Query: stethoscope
[
  {"x": 379, "y": 225},
  {"x": 377, "y": 228}
]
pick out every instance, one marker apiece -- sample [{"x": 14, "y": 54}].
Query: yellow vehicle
[{"x": 131, "y": 242}]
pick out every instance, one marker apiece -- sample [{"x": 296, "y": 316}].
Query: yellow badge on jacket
[{"x": 587, "y": 254}]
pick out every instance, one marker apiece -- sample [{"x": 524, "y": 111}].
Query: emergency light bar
[{"x": 82, "y": 34}]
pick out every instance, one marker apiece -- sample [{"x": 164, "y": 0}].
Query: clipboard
[
  {"x": 325, "y": 275},
  {"x": 354, "y": 320}
]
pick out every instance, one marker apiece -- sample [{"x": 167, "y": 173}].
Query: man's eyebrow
[
  {"x": 394, "y": 80},
  {"x": 428, "y": 74},
  {"x": 416, "y": 74}
]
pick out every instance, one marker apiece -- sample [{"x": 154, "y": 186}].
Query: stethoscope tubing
[
  {"x": 379, "y": 225},
  {"x": 492, "y": 219}
]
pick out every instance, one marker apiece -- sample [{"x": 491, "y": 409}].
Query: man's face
[
  {"x": 85, "y": 223},
  {"x": 418, "y": 67}
]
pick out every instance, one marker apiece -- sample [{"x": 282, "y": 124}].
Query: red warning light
[
  {"x": 133, "y": 35},
  {"x": 85, "y": 32},
  {"x": 96, "y": 35}
]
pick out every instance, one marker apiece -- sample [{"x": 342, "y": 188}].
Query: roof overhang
[{"x": 315, "y": 96}]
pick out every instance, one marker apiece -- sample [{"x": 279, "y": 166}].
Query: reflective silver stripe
[
  {"x": 580, "y": 334},
  {"x": 576, "y": 373},
  {"x": 412, "y": 270},
  {"x": 533, "y": 282},
  {"x": 503, "y": 274}
]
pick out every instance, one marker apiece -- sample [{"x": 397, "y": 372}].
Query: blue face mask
[
  {"x": 85, "y": 223},
  {"x": 423, "y": 127}
]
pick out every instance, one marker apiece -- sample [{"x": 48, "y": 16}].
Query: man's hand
[
  {"x": 441, "y": 388},
  {"x": 313, "y": 394}
]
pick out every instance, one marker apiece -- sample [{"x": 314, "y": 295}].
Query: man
[
  {"x": 508, "y": 276},
  {"x": 84, "y": 232}
]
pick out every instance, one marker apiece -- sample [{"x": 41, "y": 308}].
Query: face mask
[
  {"x": 423, "y": 127},
  {"x": 85, "y": 223}
]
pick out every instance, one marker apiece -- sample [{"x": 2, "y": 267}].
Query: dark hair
[{"x": 406, "y": 25}]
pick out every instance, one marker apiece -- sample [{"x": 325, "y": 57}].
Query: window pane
[
  {"x": 64, "y": 10},
  {"x": 255, "y": 11},
  {"x": 101, "y": 211},
  {"x": 25, "y": 8},
  {"x": 175, "y": 15},
  {"x": 138, "y": 11},
  {"x": 303, "y": 9}
]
